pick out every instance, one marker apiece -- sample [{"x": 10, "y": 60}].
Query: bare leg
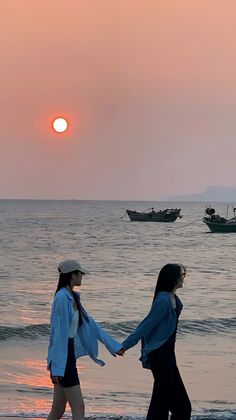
[
  {"x": 58, "y": 404},
  {"x": 75, "y": 399}
]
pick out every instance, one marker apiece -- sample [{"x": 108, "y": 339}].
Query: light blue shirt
[
  {"x": 85, "y": 341},
  {"x": 156, "y": 327}
]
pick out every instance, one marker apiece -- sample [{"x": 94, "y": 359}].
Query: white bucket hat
[{"x": 67, "y": 266}]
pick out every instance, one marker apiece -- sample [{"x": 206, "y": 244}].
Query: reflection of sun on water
[
  {"x": 31, "y": 378},
  {"x": 30, "y": 373},
  {"x": 28, "y": 376},
  {"x": 33, "y": 373}
]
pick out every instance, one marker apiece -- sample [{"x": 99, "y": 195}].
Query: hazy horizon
[{"x": 211, "y": 193}]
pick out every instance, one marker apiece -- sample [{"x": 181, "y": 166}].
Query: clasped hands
[{"x": 120, "y": 352}]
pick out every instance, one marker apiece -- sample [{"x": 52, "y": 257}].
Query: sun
[{"x": 60, "y": 125}]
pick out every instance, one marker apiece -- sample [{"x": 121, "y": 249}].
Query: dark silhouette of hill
[{"x": 213, "y": 193}]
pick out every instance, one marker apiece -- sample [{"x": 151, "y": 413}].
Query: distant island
[{"x": 213, "y": 193}]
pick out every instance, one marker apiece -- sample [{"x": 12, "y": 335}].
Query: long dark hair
[
  {"x": 64, "y": 280},
  {"x": 168, "y": 278}
]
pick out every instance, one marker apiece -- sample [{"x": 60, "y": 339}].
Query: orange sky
[{"x": 149, "y": 88}]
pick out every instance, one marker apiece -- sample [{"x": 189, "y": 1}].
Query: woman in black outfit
[{"x": 158, "y": 333}]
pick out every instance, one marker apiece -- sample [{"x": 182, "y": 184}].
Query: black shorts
[{"x": 71, "y": 375}]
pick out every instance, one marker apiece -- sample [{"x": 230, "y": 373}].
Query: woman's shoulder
[
  {"x": 62, "y": 295},
  {"x": 162, "y": 301},
  {"x": 61, "y": 301},
  {"x": 163, "y": 296}
]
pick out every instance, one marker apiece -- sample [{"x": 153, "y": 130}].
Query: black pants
[{"x": 169, "y": 393}]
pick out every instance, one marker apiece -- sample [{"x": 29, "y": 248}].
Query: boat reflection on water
[{"x": 219, "y": 224}]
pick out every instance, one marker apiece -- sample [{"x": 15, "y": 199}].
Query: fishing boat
[
  {"x": 167, "y": 215},
  {"x": 219, "y": 224}
]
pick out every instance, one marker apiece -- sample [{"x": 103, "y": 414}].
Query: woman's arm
[
  {"x": 158, "y": 311},
  {"x": 109, "y": 342}
]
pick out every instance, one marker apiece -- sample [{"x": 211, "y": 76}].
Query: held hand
[{"x": 121, "y": 352}]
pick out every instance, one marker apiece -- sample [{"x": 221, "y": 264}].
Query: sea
[{"x": 124, "y": 259}]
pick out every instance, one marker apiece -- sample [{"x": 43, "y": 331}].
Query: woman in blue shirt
[
  {"x": 73, "y": 333},
  {"x": 158, "y": 333}
]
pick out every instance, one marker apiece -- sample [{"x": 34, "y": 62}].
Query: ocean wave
[
  {"x": 29, "y": 332},
  {"x": 211, "y": 326},
  {"x": 200, "y": 327}
]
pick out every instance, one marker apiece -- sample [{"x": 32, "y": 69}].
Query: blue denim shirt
[
  {"x": 85, "y": 341},
  {"x": 156, "y": 327}
]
